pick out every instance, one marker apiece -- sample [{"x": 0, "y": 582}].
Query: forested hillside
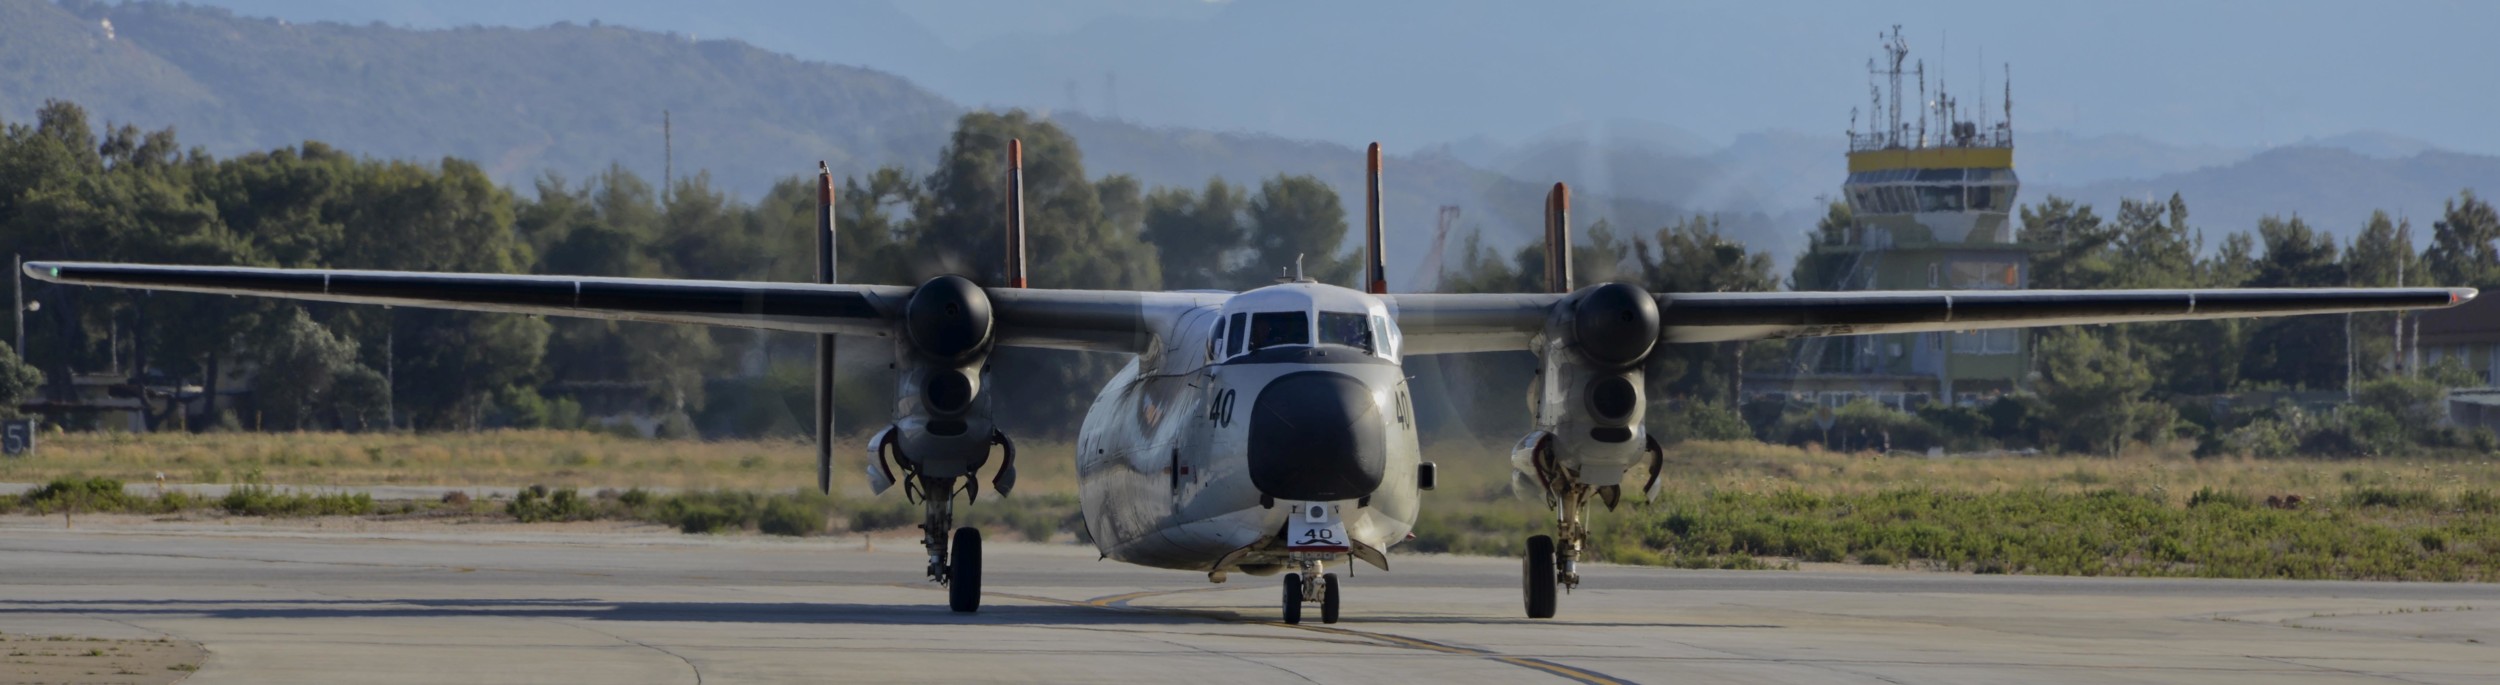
[
  {"x": 574, "y": 99},
  {"x": 567, "y": 98}
]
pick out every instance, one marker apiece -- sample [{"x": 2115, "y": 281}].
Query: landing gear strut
[
  {"x": 962, "y": 573},
  {"x": 1312, "y": 584}
]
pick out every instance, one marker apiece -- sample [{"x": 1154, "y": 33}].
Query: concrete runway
[{"x": 356, "y": 602}]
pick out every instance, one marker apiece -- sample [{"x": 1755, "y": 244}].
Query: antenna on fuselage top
[{"x": 1297, "y": 268}]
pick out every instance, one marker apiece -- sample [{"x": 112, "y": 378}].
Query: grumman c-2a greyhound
[{"x": 1259, "y": 432}]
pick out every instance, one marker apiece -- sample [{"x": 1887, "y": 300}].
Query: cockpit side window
[
  {"x": 1348, "y": 329},
  {"x": 1240, "y": 335},
  {"x": 1269, "y": 329},
  {"x": 1215, "y": 341}
]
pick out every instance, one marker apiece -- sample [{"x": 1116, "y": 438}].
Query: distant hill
[
  {"x": 2333, "y": 189},
  {"x": 575, "y": 98},
  {"x": 566, "y": 97}
]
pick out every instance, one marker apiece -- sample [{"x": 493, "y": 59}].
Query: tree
[
  {"x": 1820, "y": 268},
  {"x": 1198, "y": 237},
  {"x": 1298, "y": 217},
  {"x": 19, "y": 381},
  {"x": 2465, "y": 244},
  {"x": 294, "y": 368},
  {"x": 1693, "y": 256},
  {"x": 2381, "y": 257},
  {"x": 2078, "y": 254},
  {"x": 1069, "y": 241},
  {"x": 2296, "y": 352},
  {"x": 2097, "y": 390}
]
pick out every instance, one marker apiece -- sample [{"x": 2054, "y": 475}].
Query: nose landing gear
[{"x": 1311, "y": 585}]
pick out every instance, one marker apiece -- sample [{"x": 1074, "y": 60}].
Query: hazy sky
[{"x": 2228, "y": 73}]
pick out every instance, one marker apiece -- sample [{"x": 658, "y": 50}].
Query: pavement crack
[{"x": 681, "y": 658}]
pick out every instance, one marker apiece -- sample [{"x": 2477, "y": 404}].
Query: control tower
[{"x": 1930, "y": 197}]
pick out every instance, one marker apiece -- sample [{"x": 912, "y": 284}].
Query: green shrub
[
  {"x": 884, "y": 514},
  {"x": 262, "y": 500},
  {"x": 700, "y": 517},
  {"x": 79, "y": 494},
  {"x": 1697, "y": 421},
  {"x": 536, "y": 504},
  {"x": 799, "y": 514}
]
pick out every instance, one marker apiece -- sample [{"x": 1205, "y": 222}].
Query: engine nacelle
[
  {"x": 1588, "y": 396},
  {"x": 942, "y": 420}
]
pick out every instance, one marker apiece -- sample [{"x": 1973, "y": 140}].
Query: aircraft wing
[
  {"x": 1063, "y": 319},
  {"x": 1442, "y": 324}
]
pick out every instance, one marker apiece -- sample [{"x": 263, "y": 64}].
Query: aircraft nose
[{"x": 1317, "y": 436}]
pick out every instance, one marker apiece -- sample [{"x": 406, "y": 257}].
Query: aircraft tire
[
  {"x": 1537, "y": 577},
  {"x": 963, "y": 583},
  {"x": 1328, "y": 601},
  {"x": 1293, "y": 599}
]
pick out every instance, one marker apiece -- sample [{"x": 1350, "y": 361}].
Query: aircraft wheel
[
  {"x": 963, "y": 583},
  {"x": 1537, "y": 577},
  {"x": 1328, "y": 600},
  {"x": 1293, "y": 598}
]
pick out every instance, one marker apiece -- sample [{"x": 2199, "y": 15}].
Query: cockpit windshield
[
  {"x": 1269, "y": 329},
  {"x": 1346, "y": 328}
]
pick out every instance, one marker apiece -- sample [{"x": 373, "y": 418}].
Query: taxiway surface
[{"x": 354, "y": 602}]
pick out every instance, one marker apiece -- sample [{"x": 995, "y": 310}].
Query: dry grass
[
  {"x": 2171, "y": 475},
  {"x": 593, "y": 460},
  {"x": 511, "y": 458},
  {"x": 1733, "y": 505}
]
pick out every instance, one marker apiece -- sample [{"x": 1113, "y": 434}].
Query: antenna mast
[{"x": 1896, "y": 49}]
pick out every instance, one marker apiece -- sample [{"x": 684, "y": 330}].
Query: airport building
[{"x": 1929, "y": 209}]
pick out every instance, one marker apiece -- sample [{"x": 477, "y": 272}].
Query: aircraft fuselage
[{"x": 1196, "y": 457}]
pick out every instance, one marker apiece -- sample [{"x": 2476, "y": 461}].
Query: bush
[
  {"x": 885, "y": 514},
  {"x": 1698, "y": 421},
  {"x": 1957, "y": 424},
  {"x": 78, "y": 494},
  {"x": 701, "y": 517},
  {"x": 262, "y": 500},
  {"x": 798, "y": 515},
  {"x": 1862, "y": 425},
  {"x": 538, "y": 504}
]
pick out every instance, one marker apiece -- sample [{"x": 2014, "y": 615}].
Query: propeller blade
[
  {"x": 824, "y": 342},
  {"x": 1376, "y": 273},
  {"x": 1558, "y": 239},
  {"x": 1015, "y": 213}
]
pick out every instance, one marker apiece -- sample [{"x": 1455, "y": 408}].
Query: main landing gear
[
  {"x": 960, "y": 572},
  {"x": 1553, "y": 562},
  {"x": 1320, "y": 587}
]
